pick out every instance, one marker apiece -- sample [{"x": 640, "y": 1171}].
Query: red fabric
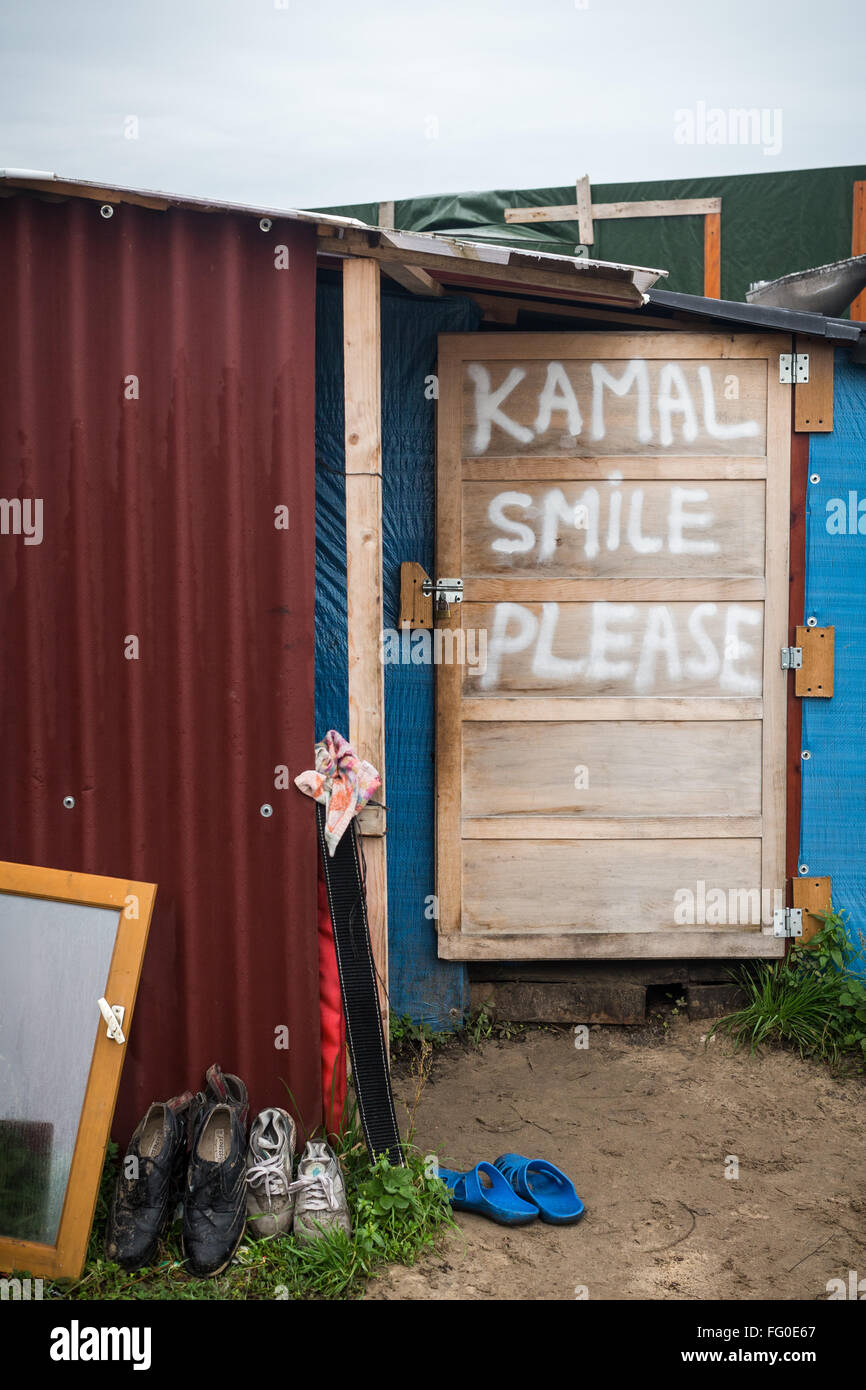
[{"x": 333, "y": 1024}]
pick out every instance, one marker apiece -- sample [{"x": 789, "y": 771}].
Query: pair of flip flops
[{"x": 514, "y": 1191}]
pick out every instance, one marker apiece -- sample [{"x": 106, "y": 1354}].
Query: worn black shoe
[
  {"x": 149, "y": 1184},
  {"x": 214, "y": 1205}
]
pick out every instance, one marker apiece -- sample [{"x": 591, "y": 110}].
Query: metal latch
[
  {"x": 793, "y": 367},
  {"x": 788, "y": 921},
  {"x": 792, "y": 658},
  {"x": 113, "y": 1015},
  {"x": 445, "y": 592}
]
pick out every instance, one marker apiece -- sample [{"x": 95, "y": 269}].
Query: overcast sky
[{"x": 294, "y": 103}]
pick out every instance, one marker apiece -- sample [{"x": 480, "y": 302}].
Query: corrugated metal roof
[
  {"x": 412, "y": 243},
  {"x": 39, "y": 181},
  {"x": 157, "y": 393},
  {"x": 842, "y": 331}
]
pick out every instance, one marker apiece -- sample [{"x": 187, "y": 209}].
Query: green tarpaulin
[{"x": 772, "y": 224}]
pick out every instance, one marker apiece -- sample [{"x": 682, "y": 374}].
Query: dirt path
[{"x": 643, "y": 1124}]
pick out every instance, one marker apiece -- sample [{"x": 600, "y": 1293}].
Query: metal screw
[
  {"x": 802, "y": 868},
  {"x": 106, "y": 210},
  {"x": 805, "y": 755},
  {"x": 265, "y": 223},
  {"x": 811, "y": 622},
  {"x": 266, "y": 810},
  {"x": 69, "y": 802},
  {"x": 814, "y": 477}
]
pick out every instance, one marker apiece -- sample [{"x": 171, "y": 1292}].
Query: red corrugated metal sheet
[{"x": 159, "y": 524}]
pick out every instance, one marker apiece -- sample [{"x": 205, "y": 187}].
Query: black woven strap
[{"x": 344, "y": 883}]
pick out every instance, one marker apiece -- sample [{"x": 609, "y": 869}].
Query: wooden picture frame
[{"x": 133, "y": 902}]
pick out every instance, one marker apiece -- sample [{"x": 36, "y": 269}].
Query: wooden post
[
  {"x": 713, "y": 255},
  {"x": 858, "y": 243},
  {"x": 362, "y": 374}
]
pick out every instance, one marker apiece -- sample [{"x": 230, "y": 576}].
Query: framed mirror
[{"x": 67, "y": 942}]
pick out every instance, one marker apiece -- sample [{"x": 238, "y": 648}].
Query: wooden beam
[
  {"x": 497, "y": 309},
  {"x": 663, "y": 207},
  {"x": 713, "y": 255},
  {"x": 858, "y": 243},
  {"x": 585, "y": 231},
  {"x": 585, "y": 285},
  {"x": 362, "y": 373},
  {"x": 813, "y": 399},
  {"x": 600, "y": 212},
  {"x": 413, "y": 278},
  {"x": 812, "y": 895},
  {"x": 814, "y": 680},
  {"x": 416, "y": 607},
  {"x": 386, "y": 214}
]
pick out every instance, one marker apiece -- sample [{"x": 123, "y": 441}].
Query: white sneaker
[
  {"x": 321, "y": 1194},
  {"x": 271, "y": 1153}
]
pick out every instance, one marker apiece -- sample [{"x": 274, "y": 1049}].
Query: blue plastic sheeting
[
  {"x": 427, "y": 989},
  {"x": 833, "y": 828}
]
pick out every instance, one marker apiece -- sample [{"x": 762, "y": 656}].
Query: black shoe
[
  {"x": 221, "y": 1088},
  {"x": 149, "y": 1184},
  {"x": 214, "y": 1205}
]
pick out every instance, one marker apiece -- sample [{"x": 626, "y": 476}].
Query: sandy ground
[{"x": 644, "y": 1123}]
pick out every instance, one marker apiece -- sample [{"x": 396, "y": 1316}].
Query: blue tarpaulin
[
  {"x": 420, "y": 985},
  {"x": 833, "y": 829}
]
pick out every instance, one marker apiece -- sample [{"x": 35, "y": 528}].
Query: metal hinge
[
  {"x": 792, "y": 658},
  {"x": 793, "y": 367},
  {"x": 788, "y": 921},
  {"x": 445, "y": 592}
]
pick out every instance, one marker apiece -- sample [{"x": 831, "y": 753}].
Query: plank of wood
[
  {"x": 615, "y": 769},
  {"x": 607, "y": 469},
  {"x": 569, "y": 532},
  {"x": 535, "y": 590},
  {"x": 812, "y": 894},
  {"x": 776, "y": 630},
  {"x": 449, "y": 735},
  {"x": 504, "y": 309},
  {"x": 413, "y": 278},
  {"x": 713, "y": 255},
  {"x": 495, "y": 707},
  {"x": 548, "y": 651},
  {"x": 659, "y": 207},
  {"x": 858, "y": 244},
  {"x": 590, "y": 418},
  {"x": 416, "y": 607},
  {"x": 386, "y": 214},
  {"x": 611, "y": 287},
  {"x": 683, "y": 944},
  {"x": 599, "y": 212},
  {"x": 583, "y": 199},
  {"x": 362, "y": 358},
  {"x": 814, "y": 679},
  {"x": 606, "y": 828},
  {"x": 813, "y": 399},
  {"x": 572, "y": 887}
]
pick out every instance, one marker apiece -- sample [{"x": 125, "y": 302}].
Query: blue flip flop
[
  {"x": 544, "y": 1185},
  {"x": 497, "y": 1199}
]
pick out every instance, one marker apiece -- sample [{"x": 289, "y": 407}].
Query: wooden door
[{"x": 610, "y": 701}]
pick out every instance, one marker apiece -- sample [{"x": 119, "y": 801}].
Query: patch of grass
[
  {"x": 484, "y": 1026},
  {"x": 811, "y": 1000},
  {"x": 406, "y": 1036},
  {"x": 397, "y": 1213}
]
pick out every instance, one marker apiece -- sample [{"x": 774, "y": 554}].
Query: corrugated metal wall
[{"x": 159, "y": 499}]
